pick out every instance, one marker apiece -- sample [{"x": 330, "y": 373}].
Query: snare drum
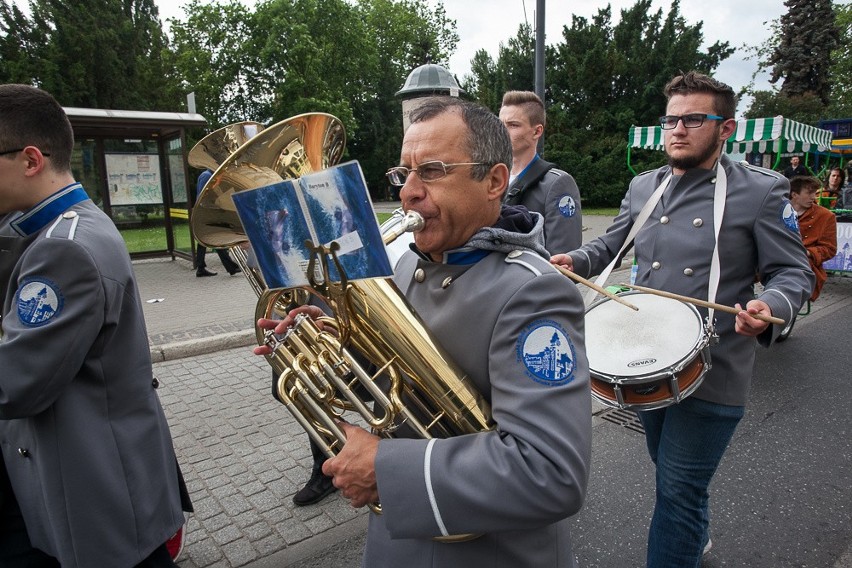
[{"x": 645, "y": 359}]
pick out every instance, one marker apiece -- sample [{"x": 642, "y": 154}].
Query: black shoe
[
  {"x": 235, "y": 270},
  {"x": 204, "y": 272},
  {"x": 317, "y": 488}
]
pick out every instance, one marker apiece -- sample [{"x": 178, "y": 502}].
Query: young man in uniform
[
  {"x": 536, "y": 184},
  {"x": 481, "y": 281},
  {"x": 675, "y": 250},
  {"x": 92, "y": 475}
]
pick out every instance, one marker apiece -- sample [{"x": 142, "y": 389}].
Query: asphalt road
[{"x": 783, "y": 493}]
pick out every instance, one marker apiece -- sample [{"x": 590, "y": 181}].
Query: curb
[{"x": 202, "y": 346}]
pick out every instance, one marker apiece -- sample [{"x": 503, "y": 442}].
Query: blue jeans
[{"x": 686, "y": 442}]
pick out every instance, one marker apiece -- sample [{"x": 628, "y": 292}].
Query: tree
[
  {"x": 802, "y": 57},
  {"x": 840, "y": 104},
  {"x": 603, "y": 78},
  {"x": 94, "y": 53}
]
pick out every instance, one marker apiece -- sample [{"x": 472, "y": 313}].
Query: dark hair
[
  {"x": 530, "y": 102},
  {"x": 32, "y": 117},
  {"x": 694, "y": 82},
  {"x": 800, "y": 183},
  {"x": 487, "y": 139},
  {"x": 842, "y": 176}
]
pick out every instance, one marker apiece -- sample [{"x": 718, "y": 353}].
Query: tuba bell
[{"x": 373, "y": 336}]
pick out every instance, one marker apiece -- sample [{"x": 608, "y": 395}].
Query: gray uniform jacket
[
  {"x": 83, "y": 435},
  {"x": 759, "y": 236},
  {"x": 515, "y": 325},
  {"x": 553, "y": 193}
]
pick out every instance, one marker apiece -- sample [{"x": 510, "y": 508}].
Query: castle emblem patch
[
  {"x": 788, "y": 216},
  {"x": 38, "y": 301},
  {"x": 547, "y": 353},
  {"x": 567, "y": 206}
]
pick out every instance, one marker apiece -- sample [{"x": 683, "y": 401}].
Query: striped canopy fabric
[{"x": 776, "y": 134}]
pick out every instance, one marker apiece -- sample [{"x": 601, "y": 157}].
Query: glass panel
[
  {"x": 85, "y": 168},
  {"x": 179, "y": 211},
  {"x": 134, "y": 179}
]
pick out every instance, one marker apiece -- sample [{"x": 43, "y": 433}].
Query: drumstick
[
  {"x": 704, "y": 304},
  {"x": 595, "y": 287}
]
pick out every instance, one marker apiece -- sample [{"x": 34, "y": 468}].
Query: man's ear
[
  {"x": 538, "y": 131},
  {"x": 34, "y": 161},
  {"x": 728, "y": 128},
  {"x": 498, "y": 178}
]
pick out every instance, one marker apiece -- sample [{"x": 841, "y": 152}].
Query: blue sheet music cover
[{"x": 325, "y": 206}]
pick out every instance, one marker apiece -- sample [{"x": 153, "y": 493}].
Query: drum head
[{"x": 627, "y": 343}]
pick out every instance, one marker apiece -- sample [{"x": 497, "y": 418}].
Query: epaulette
[
  {"x": 764, "y": 171},
  {"x": 525, "y": 258},
  {"x": 65, "y": 226}
]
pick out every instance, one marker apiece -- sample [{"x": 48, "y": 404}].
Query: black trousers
[{"x": 227, "y": 262}]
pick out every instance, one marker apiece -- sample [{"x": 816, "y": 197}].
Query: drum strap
[
  {"x": 719, "y": 196},
  {"x": 641, "y": 218}
]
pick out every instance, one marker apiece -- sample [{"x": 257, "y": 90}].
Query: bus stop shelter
[{"x": 133, "y": 166}]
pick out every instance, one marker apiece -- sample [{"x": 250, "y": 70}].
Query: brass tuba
[{"x": 373, "y": 335}]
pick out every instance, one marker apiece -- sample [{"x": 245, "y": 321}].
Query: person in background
[
  {"x": 675, "y": 251},
  {"x": 479, "y": 278},
  {"x": 795, "y": 168},
  {"x": 200, "y": 250},
  {"x": 817, "y": 225},
  {"x": 91, "y": 477},
  {"x": 832, "y": 192},
  {"x": 536, "y": 184}
]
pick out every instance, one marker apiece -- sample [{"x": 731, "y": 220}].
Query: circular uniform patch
[
  {"x": 788, "y": 216},
  {"x": 38, "y": 300},
  {"x": 547, "y": 353},
  {"x": 567, "y": 206}
]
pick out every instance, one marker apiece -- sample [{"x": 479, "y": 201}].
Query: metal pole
[{"x": 539, "y": 59}]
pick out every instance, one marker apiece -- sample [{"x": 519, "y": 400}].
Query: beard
[{"x": 701, "y": 155}]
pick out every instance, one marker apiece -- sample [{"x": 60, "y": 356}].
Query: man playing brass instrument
[{"x": 479, "y": 277}]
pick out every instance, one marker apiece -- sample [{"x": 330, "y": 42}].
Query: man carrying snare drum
[{"x": 675, "y": 249}]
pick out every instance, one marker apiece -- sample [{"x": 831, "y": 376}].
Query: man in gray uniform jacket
[
  {"x": 91, "y": 466},
  {"x": 536, "y": 184},
  {"x": 480, "y": 278},
  {"x": 674, "y": 251}
]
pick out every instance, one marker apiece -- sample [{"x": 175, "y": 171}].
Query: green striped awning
[
  {"x": 776, "y": 134},
  {"x": 650, "y": 137}
]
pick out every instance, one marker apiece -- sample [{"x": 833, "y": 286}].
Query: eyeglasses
[
  {"x": 694, "y": 120},
  {"x": 16, "y": 150},
  {"x": 427, "y": 171}
]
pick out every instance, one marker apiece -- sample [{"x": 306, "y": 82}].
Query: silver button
[
  {"x": 664, "y": 220},
  {"x": 687, "y": 272},
  {"x": 656, "y": 265},
  {"x": 697, "y": 222},
  {"x": 69, "y": 214},
  {"x": 447, "y": 281},
  {"x": 419, "y": 275},
  {"x": 712, "y": 180},
  {"x": 23, "y": 452},
  {"x": 514, "y": 254}
]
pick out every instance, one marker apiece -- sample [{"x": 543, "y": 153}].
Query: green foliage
[
  {"x": 802, "y": 57},
  {"x": 601, "y": 79},
  {"x": 807, "y": 108},
  {"x": 840, "y": 104},
  {"x": 94, "y": 53}
]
